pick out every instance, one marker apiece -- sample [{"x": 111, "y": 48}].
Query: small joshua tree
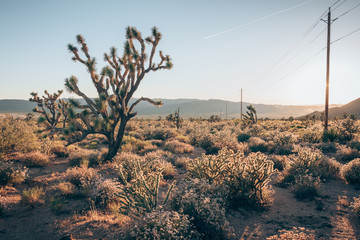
[
  {"x": 175, "y": 118},
  {"x": 251, "y": 116},
  {"x": 53, "y": 110},
  {"x": 115, "y": 85}
]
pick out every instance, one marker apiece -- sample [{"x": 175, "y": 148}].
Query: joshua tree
[
  {"x": 175, "y": 118},
  {"x": 52, "y": 109},
  {"x": 115, "y": 85},
  {"x": 251, "y": 116}
]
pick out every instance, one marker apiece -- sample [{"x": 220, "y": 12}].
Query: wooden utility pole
[
  {"x": 241, "y": 105},
  {"x": 326, "y": 116},
  {"x": 226, "y": 111}
]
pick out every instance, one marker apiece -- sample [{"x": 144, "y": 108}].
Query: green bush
[
  {"x": 351, "y": 172},
  {"x": 330, "y": 135},
  {"x": 17, "y": 136},
  {"x": 243, "y": 137}
]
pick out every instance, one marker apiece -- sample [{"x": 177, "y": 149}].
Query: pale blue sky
[{"x": 34, "y": 56}]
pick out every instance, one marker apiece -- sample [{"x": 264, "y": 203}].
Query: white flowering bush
[
  {"x": 104, "y": 191},
  {"x": 161, "y": 224}
]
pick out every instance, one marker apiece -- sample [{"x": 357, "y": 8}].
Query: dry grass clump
[
  {"x": 161, "y": 224},
  {"x": 295, "y": 233},
  {"x": 181, "y": 162},
  {"x": 66, "y": 188},
  {"x": 82, "y": 177},
  {"x": 11, "y": 173},
  {"x": 35, "y": 159},
  {"x": 160, "y": 133},
  {"x": 131, "y": 144},
  {"x": 176, "y": 146},
  {"x": 33, "y": 196},
  {"x": 351, "y": 172}
]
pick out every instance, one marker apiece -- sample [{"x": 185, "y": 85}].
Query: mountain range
[{"x": 205, "y": 108}]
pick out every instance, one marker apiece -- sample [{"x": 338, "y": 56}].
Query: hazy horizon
[{"x": 217, "y": 48}]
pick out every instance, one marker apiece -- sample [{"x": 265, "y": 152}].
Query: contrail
[{"x": 257, "y": 20}]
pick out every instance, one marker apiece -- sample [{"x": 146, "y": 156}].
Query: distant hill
[
  {"x": 350, "y": 108},
  {"x": 188, "y": 108}
]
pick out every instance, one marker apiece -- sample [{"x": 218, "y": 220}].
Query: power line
[
  {"x": 346, "y": 35},
  {"x": 348, "y": 11},
  {"x": 337, "y": 6}
]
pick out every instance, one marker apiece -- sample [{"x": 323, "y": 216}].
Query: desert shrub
[
  {"x": 328, "y": 147},
  {"x": 103, "y": 192},
  {"x": 131, "y": 144},
  {"x": 311, "y": 161},
  {"x": 11, "y": 173},
  {"x": 205, "y": 206},
  {"x": 182, "y": 162},
  {"x": 243, "y": 137},
  {"x": 33, "y": 196},
  {"x": 160, "y": 133},
  {"x": 141, "y": 193},
  {"x": 331, "y": 135},
  {"x": 209, "y": 144},
  {"x": 35, "y": 159},
  {"x": 355, "y": 145},
  {"x": 346, "y": 154},
  {"x": 59, "y": 150},
  {"x": 161, "y": 224},
  {"x": 248, "y": 181},
  {"x": 175, "y": 146},
  {"x": 283, "y": 143},
  {"x": 295, "y": 233},
  {"x": 85, "y": 158},
  {"x": 82, "y": 177},
  {"x": 306, "y": 187},
  {"x": 311, "y": 136},
  {"x": 66, "y": 188},
  {"x": 56, "y": 205},
  {"x": 351, "y": 172},
  {"x": 257, "y": 145},
  {"x": 347, "y": 128},
  {"x": 355, "y": 206},
  {"x": 246, "y": 178},
  {"x": 4, "y": 205},
  {"x": 17, "y": 136},
  {"x": 280, "y": 162}
]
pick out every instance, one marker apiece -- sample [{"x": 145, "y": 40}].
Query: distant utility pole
[
  {"x": 241, "y": 104},
  {"x": 326, "y": 117},
  {"x": 226, "y": 111}
]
